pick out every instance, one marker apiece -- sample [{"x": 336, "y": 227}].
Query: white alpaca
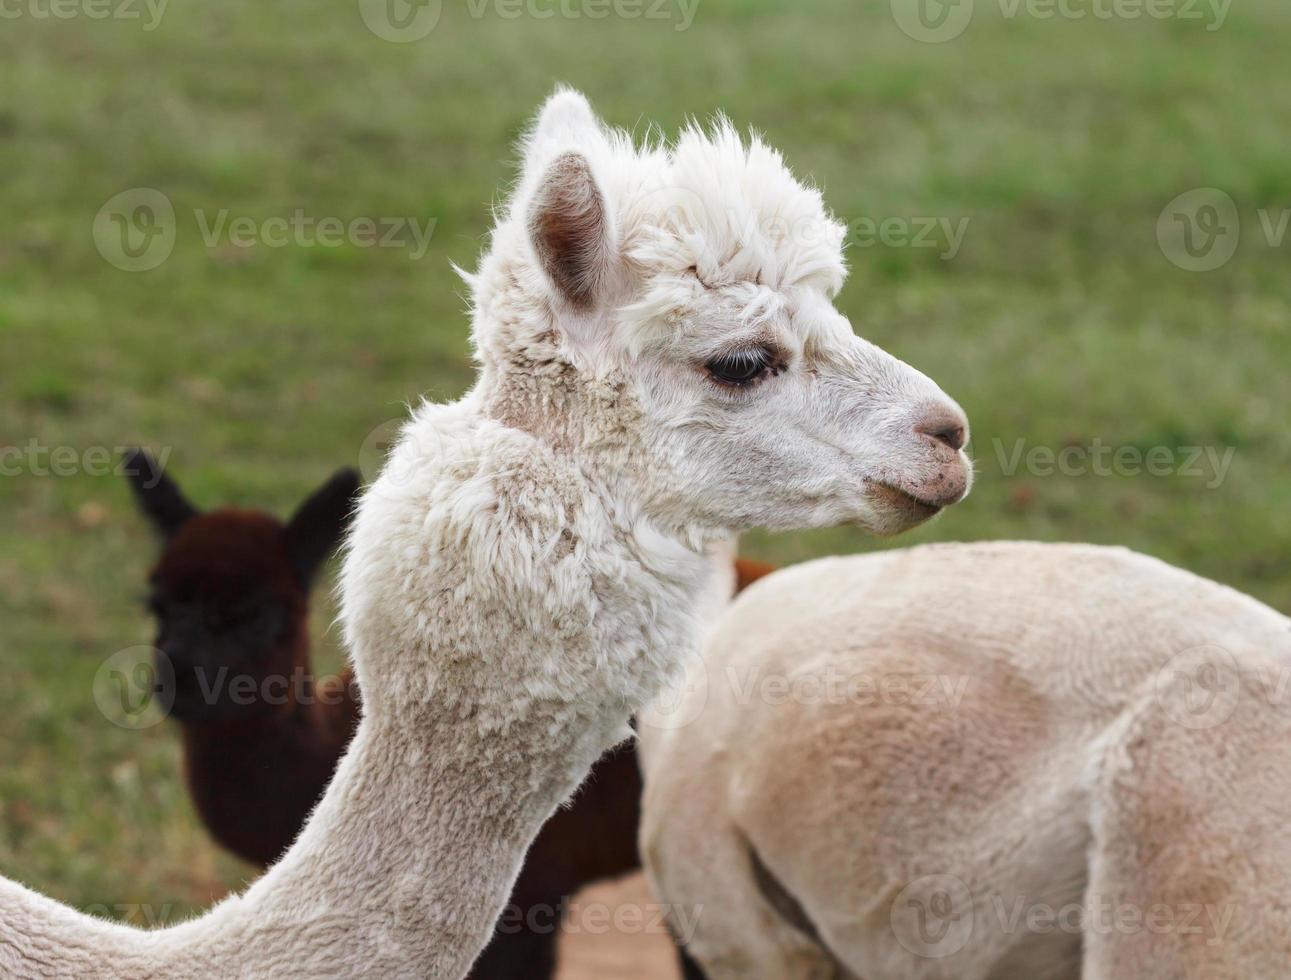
[
  {"x": 961, "y": 762},
  {"x": 660, "y": 366}
]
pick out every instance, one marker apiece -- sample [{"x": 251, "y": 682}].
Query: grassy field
[{"x": 1060, "y": 321}]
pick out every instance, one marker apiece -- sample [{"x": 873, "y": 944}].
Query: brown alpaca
[{"x": 230, "y": 594}]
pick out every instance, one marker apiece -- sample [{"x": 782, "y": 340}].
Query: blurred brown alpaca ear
[
  {"x": 749, "y": 570},
  {"x": 318, "y": 525},
  {"x": 158, "y": 496}
]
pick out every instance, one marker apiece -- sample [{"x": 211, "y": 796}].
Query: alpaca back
[{"x": 929, "y": 718}]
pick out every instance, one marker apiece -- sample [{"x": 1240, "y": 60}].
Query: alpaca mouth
[{"x": 916, "y": 509}]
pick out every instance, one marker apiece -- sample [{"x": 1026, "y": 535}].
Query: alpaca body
[
  {"x": 661, "y": 366},
  {"x": 978, "y": 741}
]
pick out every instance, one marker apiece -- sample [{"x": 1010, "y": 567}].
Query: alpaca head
[
  {"x": 686, "y": 292},
  {"x": 230, "y": 591}
]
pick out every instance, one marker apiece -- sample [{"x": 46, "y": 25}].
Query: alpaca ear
[
  {"x": 565, "y": 122},
  {"x": 316, "y": 528},
  {"x": 568, "y": 222},
  {"x": 158, "y": 496},
  {"x": 570, "y": 231}
]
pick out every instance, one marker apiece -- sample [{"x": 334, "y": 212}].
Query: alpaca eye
[{"x": 740, "y": 368}]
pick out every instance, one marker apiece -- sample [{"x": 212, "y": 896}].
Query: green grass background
[{"x": 1058, "y": 323}]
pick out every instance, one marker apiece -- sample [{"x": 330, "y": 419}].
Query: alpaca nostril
[
  {"x": 950, "y": 433},
  {"x": 952, "y": 436}
]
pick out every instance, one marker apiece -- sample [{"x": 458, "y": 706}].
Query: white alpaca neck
[{"x": 505, "y": 620}]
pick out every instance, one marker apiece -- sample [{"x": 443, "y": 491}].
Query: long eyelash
[
  {"x": 758, "y": 362},
  {"x": 749, "y": 357}
]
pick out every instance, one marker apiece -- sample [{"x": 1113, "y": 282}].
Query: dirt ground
[{"x": 614, "y": 933}]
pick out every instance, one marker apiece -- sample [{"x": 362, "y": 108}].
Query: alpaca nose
[{"x": 946, "y": 426}]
